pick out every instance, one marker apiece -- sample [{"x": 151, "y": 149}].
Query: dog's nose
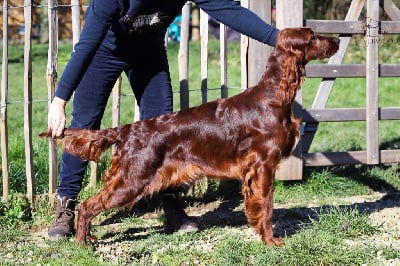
[{"x": 337, "y": 40}]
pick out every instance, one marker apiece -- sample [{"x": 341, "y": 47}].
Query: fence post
[
  {"x": 195, "y": 23},
  {"x": 3, "y": 111},
  {"x": 28, "y": 99},
  {"x": 258, "y": 52},
  {"x": 288, "y": 15},
  {"x": 76, "y": 20},
  {"x": 372, "y": 65},
  {"x": 204, "y": 54},
  {"x": 116, "y": 100},
  {"x": 51, "y": 86},
  {"x": 223, "y": 60},
  {"x": 183, "y": 57},
  {"x": 244, "y": 50}
]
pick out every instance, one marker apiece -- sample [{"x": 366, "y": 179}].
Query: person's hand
[{"x": 56, "y": 118}]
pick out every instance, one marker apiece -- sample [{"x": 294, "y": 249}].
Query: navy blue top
[{"x": 103, "y": 27}]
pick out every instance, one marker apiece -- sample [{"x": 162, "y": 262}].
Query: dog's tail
[{"x": 87, "y": 144}]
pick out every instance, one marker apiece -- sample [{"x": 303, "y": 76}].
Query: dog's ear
[
  {"x": 294, "y": 40},
  {"x": 292, "y": 78}
]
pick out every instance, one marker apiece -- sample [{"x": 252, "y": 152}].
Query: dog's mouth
[
  {"x": 330, "y": 53},
  {"x": 335, "y": 44},
  {"x": 333, "y": 48}
]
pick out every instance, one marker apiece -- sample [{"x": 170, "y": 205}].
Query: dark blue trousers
[{"x": 146, "y": 67}]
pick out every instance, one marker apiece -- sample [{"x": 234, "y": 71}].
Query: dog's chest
[
  {"x": 291, "y": 137},
  {"x": 279, "y": 137}
]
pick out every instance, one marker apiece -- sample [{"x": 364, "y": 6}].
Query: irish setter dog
[{"x": 242, "y": 137}]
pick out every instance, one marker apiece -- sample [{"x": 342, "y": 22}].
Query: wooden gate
[{"x": 371, "y": 27}]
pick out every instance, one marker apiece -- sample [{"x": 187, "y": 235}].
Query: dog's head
[{"x": 306, "y": 45}]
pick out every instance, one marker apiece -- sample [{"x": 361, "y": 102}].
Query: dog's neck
[{"x": 283, "y": 77}]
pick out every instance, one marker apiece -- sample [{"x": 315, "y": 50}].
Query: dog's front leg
[
  {"x": 83, "y": 224},
  {"x": 258, "y": 194}
]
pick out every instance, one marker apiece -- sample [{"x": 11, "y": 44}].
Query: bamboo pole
[
  {"x": 3, "y": 110},
  {"x": 51, "y": 86},
  {"x": 28, "y": 100}
]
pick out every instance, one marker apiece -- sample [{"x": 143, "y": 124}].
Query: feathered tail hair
[{"x": 87, "y": 144}]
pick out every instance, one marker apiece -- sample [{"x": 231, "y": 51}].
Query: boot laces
[
  {"x": 65, "y": 211},
  {"x": 64, "y": 215}
]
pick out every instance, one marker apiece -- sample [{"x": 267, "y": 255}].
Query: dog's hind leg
[
  {"x": 258, "y": 193},
  {"x": 114, "y": 194}
]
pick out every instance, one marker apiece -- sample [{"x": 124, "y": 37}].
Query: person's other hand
[{"x": 56, "y": 118}]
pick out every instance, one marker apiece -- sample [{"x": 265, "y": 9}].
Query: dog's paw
[
  {"x": 91, "y": 238},
  {"x": 273, "y": 241}
]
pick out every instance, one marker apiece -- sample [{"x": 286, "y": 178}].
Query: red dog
[{"x": 243, "y": 137}]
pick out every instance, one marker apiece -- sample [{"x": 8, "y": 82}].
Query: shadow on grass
[
  {"x": 392, "y": 144},
  {"x": 131, "y": 234}
]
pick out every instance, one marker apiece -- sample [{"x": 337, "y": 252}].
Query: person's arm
[
  {"x": 98, "y": 20},
  {"x": 244, "y": 21}
]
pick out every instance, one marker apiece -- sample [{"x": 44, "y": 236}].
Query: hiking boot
[
  {"x": 63, "y": 224},
  {"x": 176, "y": 220}
]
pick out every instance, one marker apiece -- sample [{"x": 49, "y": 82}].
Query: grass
[
  {"x": 325, "y": 237},
  {"x": 322, "y": 241}
]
